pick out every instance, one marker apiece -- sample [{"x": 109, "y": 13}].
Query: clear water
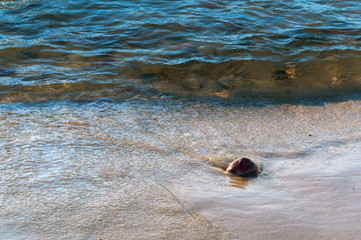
[
  {"x": 66, "y": 50},
  {"x": 117, "y": 118}
]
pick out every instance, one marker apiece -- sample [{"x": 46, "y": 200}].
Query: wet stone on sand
[{"x": 243, "y": 167}]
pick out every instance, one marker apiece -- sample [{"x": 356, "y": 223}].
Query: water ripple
[{"x": 277, "y": 46}]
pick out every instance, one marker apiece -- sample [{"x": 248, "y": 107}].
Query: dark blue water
[{"x": 66, "y": 50}]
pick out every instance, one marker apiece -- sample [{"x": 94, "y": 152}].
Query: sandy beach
[{"x": 141, "y": 170}]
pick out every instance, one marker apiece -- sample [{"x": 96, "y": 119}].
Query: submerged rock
[{"x": 242, "y": 167}]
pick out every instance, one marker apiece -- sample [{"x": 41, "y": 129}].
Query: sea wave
[{"x": 220, "y": 49}]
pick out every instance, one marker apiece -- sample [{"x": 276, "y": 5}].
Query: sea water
[{"x": 117, "y": 119}]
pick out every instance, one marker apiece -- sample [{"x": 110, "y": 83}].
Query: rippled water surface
[
  {"x": 118, "y": 117},
  {"x": 91, "y": 49}
]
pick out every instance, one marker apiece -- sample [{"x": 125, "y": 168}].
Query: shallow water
[
  {"x": 62, "y": 50},
  {"x": 150, "y": 170},
  {"x": 117, "y": 118}
]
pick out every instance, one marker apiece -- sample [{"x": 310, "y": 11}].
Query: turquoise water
[{"x": 117, "y": 118}]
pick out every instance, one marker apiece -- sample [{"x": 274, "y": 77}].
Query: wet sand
[{"x": 151, "y": 169}]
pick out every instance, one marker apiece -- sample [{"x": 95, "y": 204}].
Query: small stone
[{"x": 242, "y": 167}]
